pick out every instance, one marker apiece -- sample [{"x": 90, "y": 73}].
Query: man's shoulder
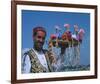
[{"x": 25, "y": 50}]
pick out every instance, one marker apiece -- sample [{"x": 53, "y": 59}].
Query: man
[{"x": 37, "y": 59}]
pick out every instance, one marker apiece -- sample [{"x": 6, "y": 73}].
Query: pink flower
[
  {"x": 53, "y": 36},
  {"x": 81, "y": 33},
  {"x": 66, "y": 25}
]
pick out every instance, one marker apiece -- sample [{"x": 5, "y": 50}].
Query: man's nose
[{"x": 41, "y": 40}]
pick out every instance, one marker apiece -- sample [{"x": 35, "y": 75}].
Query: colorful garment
[{"x": 33, "y": 64}]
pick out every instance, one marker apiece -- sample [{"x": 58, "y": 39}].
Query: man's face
[{"x": 39, "y": 39}]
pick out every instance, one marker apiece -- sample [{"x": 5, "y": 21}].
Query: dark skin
[{"x": 39, "y": 40}]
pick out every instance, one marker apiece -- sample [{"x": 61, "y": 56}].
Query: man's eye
[{"x": 41, "y": 37}]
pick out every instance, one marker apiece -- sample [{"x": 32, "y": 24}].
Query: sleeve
[{"x": 26, "y": 64}]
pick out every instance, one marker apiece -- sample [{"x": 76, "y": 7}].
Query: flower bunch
[{"x": 53, "y": 36}]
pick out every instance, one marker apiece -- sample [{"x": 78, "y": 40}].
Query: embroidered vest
[{"x": 36, "y": 66}]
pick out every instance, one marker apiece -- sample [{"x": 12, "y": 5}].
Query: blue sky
[{"x": 47, "y": 19}]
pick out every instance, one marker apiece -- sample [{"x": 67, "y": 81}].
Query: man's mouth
[{"x": 40, "y": 44}]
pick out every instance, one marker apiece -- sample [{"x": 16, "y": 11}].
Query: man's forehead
[{"x": 40, "y": 33}]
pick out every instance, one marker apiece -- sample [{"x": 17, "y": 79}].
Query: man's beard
[{"x": 38, "y": 46}]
